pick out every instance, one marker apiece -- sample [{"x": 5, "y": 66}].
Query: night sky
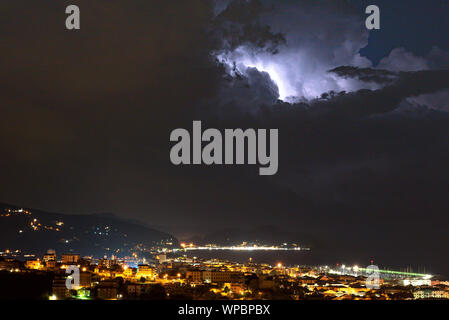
[{"x": 86, "y": 117}]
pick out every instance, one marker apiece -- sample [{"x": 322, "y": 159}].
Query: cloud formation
[
  {"x": 304, "y": 57},
  {"x": 400, "y": 59},
  {"x": 312, "y": 46}
]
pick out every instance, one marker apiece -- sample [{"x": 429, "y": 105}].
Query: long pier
[{"x": 398, "y": 273}]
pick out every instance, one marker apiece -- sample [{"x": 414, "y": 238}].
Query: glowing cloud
[
  {"x": 299, "y": 67},
  {"x": 291, "y": 73}
]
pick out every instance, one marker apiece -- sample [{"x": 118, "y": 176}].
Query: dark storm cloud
[
  {"x": 312, "y": 47},
  {"x": 400, "y": 59},
  {"x": 366, "y": 74},
  {"x": 238, "y": 24},
  {"x": 362, "y": 161},
  {"x": 406, "y": 84}
]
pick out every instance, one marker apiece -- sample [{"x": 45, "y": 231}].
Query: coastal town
[{"x": 181, "y": 277}]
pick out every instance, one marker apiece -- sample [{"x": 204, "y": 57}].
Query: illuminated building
[
  {"x": 107, "y": 263},
  {"x": 83, "y": 294},
  {"x": 161, "y": 258},
  {"x": 194, "y": 276},
  {"x": 130, "y": 272},
  {"x": 50, "y": 255},
  {"x": 33, "y": 264},
  {"x": 134, "y": 289},
  {"x": 107, "y": 290},
  {"x": 85, "y": 279},
  {"x": 145, "y": 270},
  {"x": 430, "y": 293},
  {"x": 238, "y": 288},
  {"x": 417, "y": 282},
  {"x": 70, "y": 258},
  {"x": 222, "y": 276},
  {"x": 59, "y": 288},
  {"x": 10, "y": 264}
]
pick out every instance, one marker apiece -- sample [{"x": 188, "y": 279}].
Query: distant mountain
[
  {"x": 34, "y": 231},
  {"x": 262, "y": 235}
]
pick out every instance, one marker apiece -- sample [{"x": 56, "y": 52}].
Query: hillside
[{"x": 34, "y": 231}]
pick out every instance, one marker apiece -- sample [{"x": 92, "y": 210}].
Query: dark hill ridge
[{"x": 34, "y": 231}]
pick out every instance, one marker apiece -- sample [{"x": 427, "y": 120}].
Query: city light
[
  {"x": 239, "y": 248},
  {"x": 226, "y": 279}
]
